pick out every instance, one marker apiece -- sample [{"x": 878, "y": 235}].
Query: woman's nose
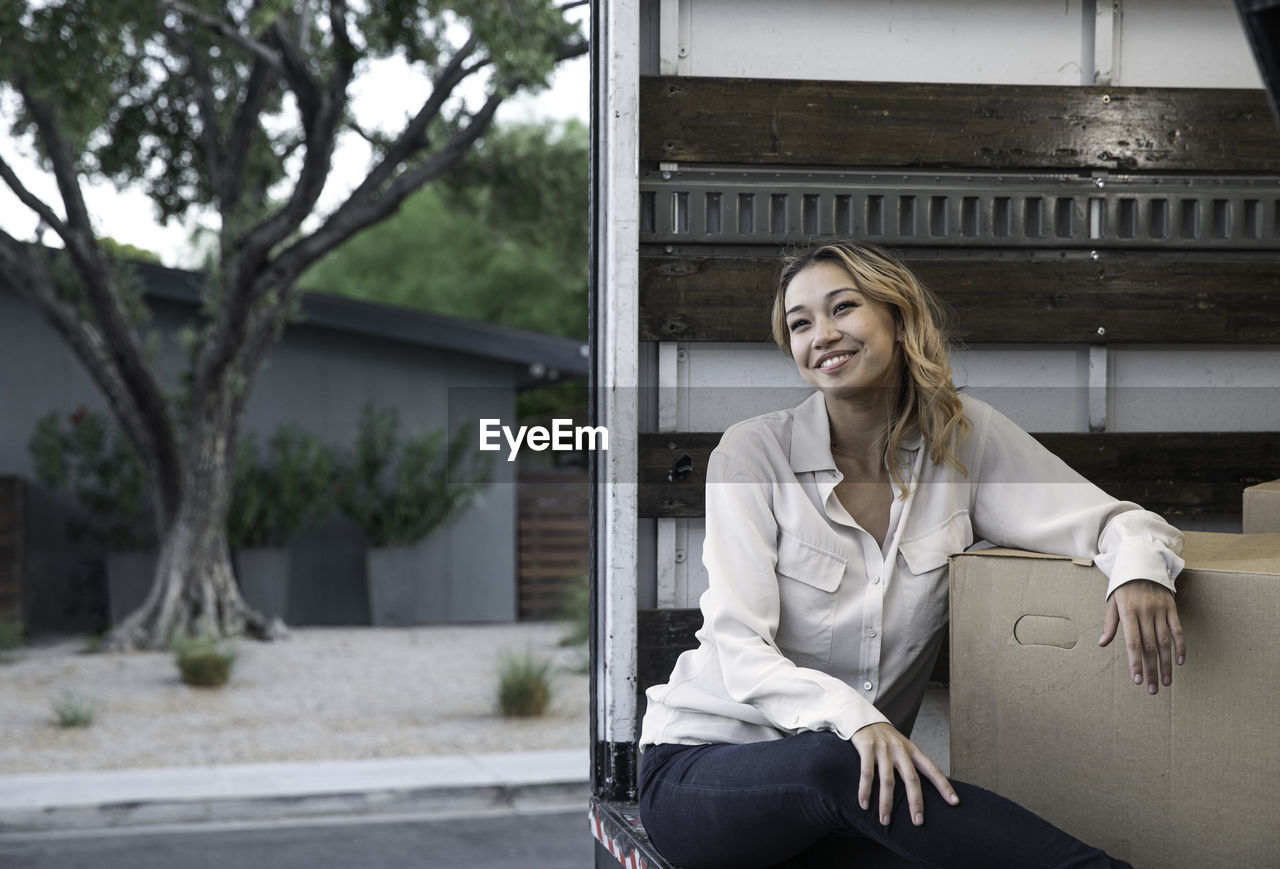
[{"x": 827, "y": 331}]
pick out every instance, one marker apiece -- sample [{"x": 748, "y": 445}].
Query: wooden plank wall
[
  {"x": 554, "y": 541},
  {"x": 695, "y": 292}
]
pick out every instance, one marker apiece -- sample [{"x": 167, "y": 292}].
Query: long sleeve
[
  {"x": 1024, "y": 496},
  {"x": 742, "y": 608}
]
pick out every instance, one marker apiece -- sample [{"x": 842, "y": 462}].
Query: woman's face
[{"x": 842, "y": 341}]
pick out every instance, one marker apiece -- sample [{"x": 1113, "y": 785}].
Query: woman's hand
[
  {"x": 1152, "y": 632},
  {"x": 882, "y": 750}
]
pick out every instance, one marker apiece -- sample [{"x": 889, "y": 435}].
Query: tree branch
[
  {"x": 29, "y": 199},
  {"x": 411, "y": 139},
  {"x": 32, "y": 280},
  {"x": 262, "y": 78},
  {"x": 109, "y": 315},
  {"x": 225, "y": 30},
  {"x": 294, "y": 68},
  {"x": 565, "y": 7},
  {"x": 356, "y": 214},
  {"x": 254, "y": 246}
]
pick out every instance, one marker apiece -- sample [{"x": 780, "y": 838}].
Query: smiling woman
[{"x": 785, "y": 733}]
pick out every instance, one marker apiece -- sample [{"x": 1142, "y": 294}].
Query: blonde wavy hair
[{"x": 927, "y": 401}]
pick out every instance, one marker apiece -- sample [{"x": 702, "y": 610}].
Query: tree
[
  {"x": 503, "y": 239},
  {"x": 235, "y": 107}
]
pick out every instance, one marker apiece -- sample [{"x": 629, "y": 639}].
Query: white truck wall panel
[
  {"x": 882, "y": 40},
  {"x": 1183, "y": 43}
]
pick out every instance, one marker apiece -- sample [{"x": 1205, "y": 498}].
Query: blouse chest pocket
[
  {"x": 923, "y": 579},
  {"x": 808, "y": 579}
]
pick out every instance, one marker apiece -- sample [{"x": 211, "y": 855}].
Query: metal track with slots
[{"x": 735, "y": 205}]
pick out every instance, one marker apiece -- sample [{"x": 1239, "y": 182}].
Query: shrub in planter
[
  {"x": 203, "y": 661},
  {"x": 271, "y": 502},
  {"x": 89, "y": 456},
  {"x": 399, "y": 491}
]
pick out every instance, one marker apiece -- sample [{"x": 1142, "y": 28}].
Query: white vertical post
[
  {"x": 668, "y": 421},
  {"x": 1099, "y": 383},
  {"x": 617, "y": 322}
]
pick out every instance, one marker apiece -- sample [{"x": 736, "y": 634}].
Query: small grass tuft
[
  {"x": 203, "y": 661},
  {"x": 524, "y": 685},
  {"x": 73, "y": 709}
]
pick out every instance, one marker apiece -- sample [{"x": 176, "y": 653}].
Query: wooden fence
[{"x": 554, "y": 530}]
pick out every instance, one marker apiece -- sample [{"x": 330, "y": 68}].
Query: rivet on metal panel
[
  {"x": 1099, "y": 182},
  {"x": 669, "y": 249},
  {"x": 680, "y": 556},
  {"x": 1106, "y": 98},
  {"x": 682, "y": 355},
  {"x": 1102, "y": 330},
  {"x": 684, "y": 51},
  {"x": 1093, "y": 254},
  {"x": 666, "y": 176},
  {"x": 671, "y": 445}
]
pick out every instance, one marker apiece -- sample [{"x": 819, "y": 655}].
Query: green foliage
[
  {"x": 272, "y": 502},
  {"x": 90, "y": 456},
  {"x": 203, "y": 661},
  {"x": 73, "y": 709},
  {"x": 576, "y": 610},
  {"x": 399, "y": 492},
  {"x": 524, "y": 685},
  {"x": 11, "y": 635},
  {"x": 504, "y": 242},
  {"x": 122, "y": 75}
]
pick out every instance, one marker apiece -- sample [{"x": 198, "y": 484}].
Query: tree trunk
[{"x": 195, "y": 590}]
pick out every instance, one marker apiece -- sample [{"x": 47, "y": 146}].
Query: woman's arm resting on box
[{"x": 1152, "y": 632}]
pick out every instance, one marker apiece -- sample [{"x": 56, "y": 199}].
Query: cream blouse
[{"x": 809, "y": 624}]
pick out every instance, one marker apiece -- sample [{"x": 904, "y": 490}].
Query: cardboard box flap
[
  {"x": 1201, "y": 550},
  {"x": 1001, "y": 552},
  {"x": 1270, "y": 486},
  {"x": 1233, "y": 553}
]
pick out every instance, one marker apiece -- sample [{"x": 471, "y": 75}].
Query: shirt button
[
  {"x": 866, "y": 685},
  {"x": 875, "y": 579},
  {"x": 871, "y": 632}
]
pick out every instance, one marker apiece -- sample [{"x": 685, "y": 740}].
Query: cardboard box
[
  {"x": 1262, "y": 508},
  {"x": 1189, "y": 777}
]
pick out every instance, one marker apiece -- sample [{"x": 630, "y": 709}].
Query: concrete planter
[
  {"x": 407, "y": 584},
  {"x": 263, "y": 574},
  {"x": 129, "y": 579}
]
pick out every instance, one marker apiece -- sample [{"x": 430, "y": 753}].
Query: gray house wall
[{"x": 318, "y": 377}]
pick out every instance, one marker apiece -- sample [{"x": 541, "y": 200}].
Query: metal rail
[{"x": 736, "y": 205}]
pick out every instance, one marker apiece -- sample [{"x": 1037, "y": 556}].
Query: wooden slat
[
  {"x": 1136, "y": 299},
  {"x": 958, "y": 126},
  {"x": 554, "y": 541},
  {"x": 663, "y": 635},
  {"x": 1176, "y": 475}
]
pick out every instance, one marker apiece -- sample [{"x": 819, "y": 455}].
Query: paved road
[{"x": 555, "y": 840}]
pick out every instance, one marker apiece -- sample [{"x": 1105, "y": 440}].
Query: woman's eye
[
  {"x": 796, "y": 324},
  {"x": 840, "y": 306}
]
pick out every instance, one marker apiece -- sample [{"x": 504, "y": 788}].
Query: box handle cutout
[{"x": 1032, "y": 630}]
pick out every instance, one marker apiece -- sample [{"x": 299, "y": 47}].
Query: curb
[{"x": 457, "y": 785}]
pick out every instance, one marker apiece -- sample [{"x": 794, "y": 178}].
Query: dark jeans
[{"x": 794, "y": 802}]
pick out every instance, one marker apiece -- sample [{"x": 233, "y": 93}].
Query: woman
[{"x": 784, "y": 735}]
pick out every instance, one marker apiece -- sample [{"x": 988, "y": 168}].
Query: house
[{"x": 337, "y": 356}]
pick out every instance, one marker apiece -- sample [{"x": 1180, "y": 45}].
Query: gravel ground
[{"x": 323, "y": 693}]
